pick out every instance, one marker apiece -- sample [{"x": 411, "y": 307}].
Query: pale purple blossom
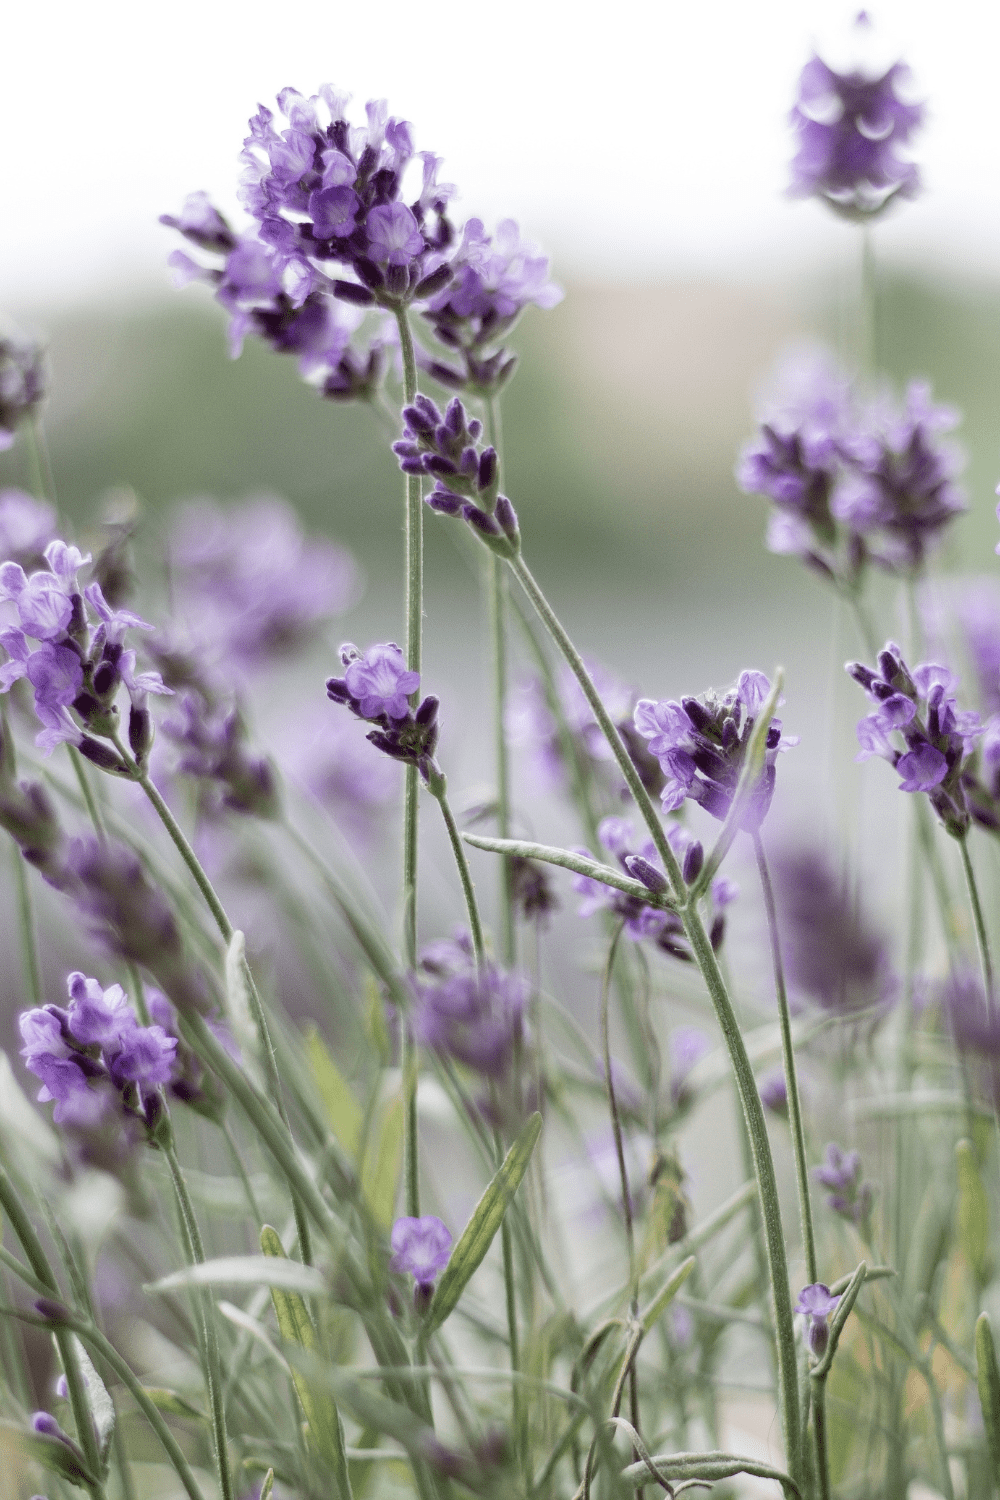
[
  {"x": 381, "y": 683},
  {"x": 816, "y": 1303},
  {"x": 420, "y": 1247},
  {"x": 840, "y": 1174},
  {"x": 470, "y": 1012}
]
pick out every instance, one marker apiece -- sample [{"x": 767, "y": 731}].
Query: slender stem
[
  {"x": 26, "y": 922},
  {"x": 616, "y": 1124},
  {"x": 819, "y": 1435},
  {"x": 497, "y": 585},
  {"x": 88, "y": 792},
  {"x": 977, "y": 914},
  {"x": 788, "y": 1058},
  {"x": 411, "y": 806},
  {"x": 465, "y": 874},
  {"x": 210, "y": 1334},
  {"x": 868, "y": 330},
  {"x": 22, "y": 1226},
  {"x": 753, "y": 1109}
]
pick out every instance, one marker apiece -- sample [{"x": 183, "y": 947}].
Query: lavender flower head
[
  {"x": 97, "y": 1041},
  {"x": 817, "y": 1303},
  {"x": 377, "y": 687},
  {"x": 831, "y": 953},
  {"x": 701, "y": 744},
  {"x": 250, "y": 585},
  {"x": 466, "y": 475},
  {"x": 841, "y": 1175},
  {"x": 851, "y": 481},
  {"x": 81, "y": 661},
  {"x": 421, "y": 1248},
  {"x": 22, "y": 384},
  {"x": 850, "y": 129},
  {"x": 919, "y": 708},
  {"x": 470, "y": 1013},
  {"x": 973, "y": 1017},
  {"x": 638, "y": 858}
]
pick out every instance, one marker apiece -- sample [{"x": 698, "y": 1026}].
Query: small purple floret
[{"x": 421, "y": 1248}]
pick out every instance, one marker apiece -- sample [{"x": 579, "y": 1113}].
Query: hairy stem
[
  {"x": 788, "y": 1059},
  {"x": 465, "y": 875},
  {"x": 977, "y": 914}
]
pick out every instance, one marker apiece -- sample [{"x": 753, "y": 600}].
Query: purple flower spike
[
  {"x": 380, "y": 682},
  {"x": 817, "y": 1303},
  {"x": 841, "y": 1175},
  {"x": 421, "y": 1248},
  {"x": 850, "y": 128}
]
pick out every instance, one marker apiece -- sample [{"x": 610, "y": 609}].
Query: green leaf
[
  {"x": 102, "y": 1408},
  {"x": 383, "y": 1160},
  {"x": 343, "y": 1112},
  {"x": 988, "y": 1380},
  {"x": 318, "y": 1407},
  {"x": 267, "y": 1485},
  {"x": 53, "y": 1455},
  {"x": 174, "y": 1405},
  {"x": 972, "y": 1212},
  {"x": 487, "y": 1216},
  {"x": 709, "y": 1466},
  {"x": 667, "y": 1293},
  {"x": 245, "y": 1270},
  {"x": 568, "y": 859}
]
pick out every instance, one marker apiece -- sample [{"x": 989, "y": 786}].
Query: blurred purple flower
[
  {"x": 474, "y": 1015},
  {"x": 421, "y": 1248},
  {"x": 22, "y": 384},
  {"x": 774, "y": 1093},
  {"x": 688, "y": 1045},
  {"x": 841, "y": 1175},
  {"x": 27, "y": 526}
]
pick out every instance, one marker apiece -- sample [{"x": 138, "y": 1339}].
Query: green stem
[
  {"x": 753, "y": 1109},
  {"x": 26, "y": 922},
  {"x": 210, "y": 1333},
  {"x": 977, "y": 914},
  {"x": 616, "y": 1124},
  {"x": 788, "y": 1058},
  {"x": 88, "y": 792},
  {"x": 465, "y": 875},
  {"x": 411, "y": 807},
  {"x": 819, "y": 1435},
  {"x": 75, "y": 1385},
  {"x": 497, "y": 585}
]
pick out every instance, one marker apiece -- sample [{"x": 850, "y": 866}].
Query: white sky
[{"x": 634, "y": 139}]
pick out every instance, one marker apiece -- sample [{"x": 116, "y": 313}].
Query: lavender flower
[
  {"x": 850, "y": 128},
  {"x": 470, "y": 1013},
  {"x": 973, "y": 1016},
  {"x": 421, "y": 1248},
  {"x": 898, "y": 491},
  {"x": 97, "y": 1041},
  {"x": 80, "y": 664},
  {"x": 250, "y": 585},
  {"x": 774, "y": 1093},
  {"x": 921, "y": 709},
  {"x": 701, "y": 744},
  {"x": 494, "y": 280},
  {"x": 376, "y": 688},
  {"x": 831, "y": 954},
  {"x": 466, "y": 476},
  {"x": 841, "y": 1175},
  {"x": 211, "y": 740},
  {"x": 817, "y": 1303},
  {"x": 638, "y": 858},
  {"x": 22, "y": 384}
]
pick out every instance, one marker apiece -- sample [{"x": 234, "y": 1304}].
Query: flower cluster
[
  {"x": 852, "y": 481},
  {"x": 816, "y": 1303},
  {"x": 840, "y": 1174},
  {"x": 469, "y": 1012},
  {"x": 248, "y": 585},
  {"x": 466, "y": 476},
  {"x": 22, "y": 385},
  {"x": 850, "y": 128},
  {"x": 377, "y": 687},
  {"x": 639, "y": 859},
  {"x": 79, "y": 665},
  {"x": 701, "y": 744},
  {"x": 494, "y": 279},
  {"x": 94, "y": 1053},
  {"x": 920, "y": 708},
  {"x": 831, "y": 954},
  {"x": 210, "y": 739}
]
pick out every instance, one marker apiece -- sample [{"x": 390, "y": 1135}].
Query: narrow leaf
[
  {"x": 173, "y": 1404},
  {"x": 245, "y": 1270},
  {"x": 972, "y": 1212},
  {"x": 53, "y": 1455},
  {"x": 477, "y": 1236},
  {"x": 667, "y": 1293},
  {"x": 343, "y": 1112},
  {"x": 319, "y": 1408},
  {"x": 566, "y": 859},
  {"x": 102, "y": 1408},
  {"x": 988, "y": 1380},
  {"x": 238, "y": 1009},
  {"x": 267, "y": 1485},
  {"x": 840, "y": 1317},
  {"x": 708, "y": 1466}
]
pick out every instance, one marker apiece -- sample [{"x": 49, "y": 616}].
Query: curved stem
[
  {"x": 788, "y": 1058},
  {"x": 749, "y": 1097},
  {"x": 210, "y": 1334},
  {"x": 616, "y": 1124},
  {"x": 465, "y": 874},
  {"x": 977, "y": 914},
  {"x": 88, "y": 792}
]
